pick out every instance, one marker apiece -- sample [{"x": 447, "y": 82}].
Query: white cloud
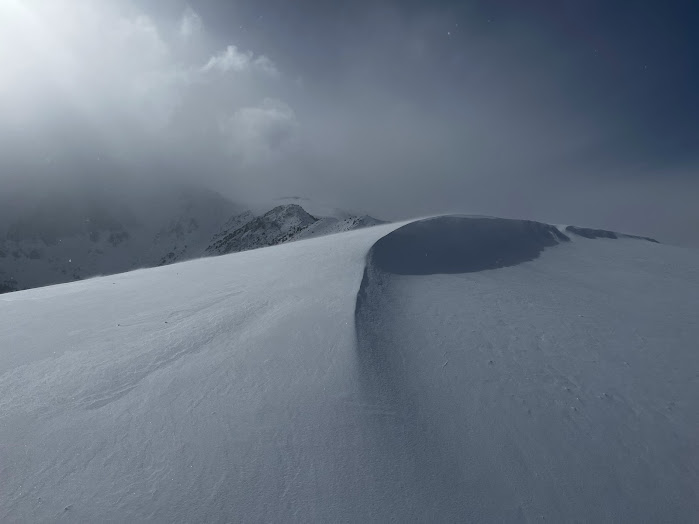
[
  {"x": 102, "y": 64},
  {"x": 261, "y": 133},
  {"x": 190, "y": 24},
  {"x": 77, "y": 72},
  {"x": 232, "y": 59},
  {"x": 265, "y": 65},
  {"x": 229, "y": 60}
]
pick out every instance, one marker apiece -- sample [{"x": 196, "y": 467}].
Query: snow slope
[{"x": 556, "y": 379}]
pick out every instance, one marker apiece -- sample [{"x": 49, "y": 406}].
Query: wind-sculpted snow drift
[
  {"x": 454, "y": 244},
  {"x": 487, "y": 370},
  {"x": 525, "y": 392}
]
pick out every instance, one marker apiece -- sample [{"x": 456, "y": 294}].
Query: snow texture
[{"x": 328, "y": 380}]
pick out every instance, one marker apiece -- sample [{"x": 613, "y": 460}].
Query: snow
[
  {"x": 332, "y": 225},
  {"x": 260, "y": 386}
]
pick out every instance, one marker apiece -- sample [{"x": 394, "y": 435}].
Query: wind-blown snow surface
[{"x": 561, "y": 385}]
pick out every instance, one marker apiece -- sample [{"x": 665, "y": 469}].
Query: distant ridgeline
[{"x": 63, "y": 240}]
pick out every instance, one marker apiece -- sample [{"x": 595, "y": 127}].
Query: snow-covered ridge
[
  {"x": 523, "y": 377},
  {"x": 284, "y": 223},
  {"x": 71, "y": 238},
  {"x": 277, "y": 226},
  {"x": 280, "y": 384}
]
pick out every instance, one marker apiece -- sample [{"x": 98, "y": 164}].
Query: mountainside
[
  {"x": 274, "y": 227},
  {"x": 282, "y": 224},
  {"x": 68, "y": 237},
  {"x": 71, "y": 237},
  {"x": 446, "y": 370}
]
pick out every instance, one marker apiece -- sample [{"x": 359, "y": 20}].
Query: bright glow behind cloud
[{"x": 104, "y": 78}]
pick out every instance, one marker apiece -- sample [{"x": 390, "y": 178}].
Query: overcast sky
[{"x": 566, "y": 111}]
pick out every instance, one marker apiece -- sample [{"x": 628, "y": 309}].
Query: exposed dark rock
[
  {"x": 118, "y": 237},
  {"x": 586, "y": 232},
  {"x": 272, "y": 228},
  {"x": 9, "y": 285}
]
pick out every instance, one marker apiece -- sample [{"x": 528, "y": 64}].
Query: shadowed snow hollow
[{"x": 454, "y": 244}]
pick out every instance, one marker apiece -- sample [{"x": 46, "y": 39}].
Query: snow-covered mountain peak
[
  {"x": 316, "y": 208},
  {"x": 283, "y": 223},
  {"x": 289, "y": 216},
  {"x": 274, "y": 227}
]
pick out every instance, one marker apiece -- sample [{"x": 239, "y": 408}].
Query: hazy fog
[{"x": 579, "y": 113}]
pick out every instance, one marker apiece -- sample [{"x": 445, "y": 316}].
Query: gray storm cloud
[{"x": 389, "y": 113}]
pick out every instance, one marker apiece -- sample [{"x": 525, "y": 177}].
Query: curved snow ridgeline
[
  {"x": 524, "y": 389},
  {"x": 456, "y": 244},
  {"x": 487, "y": 370}
]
